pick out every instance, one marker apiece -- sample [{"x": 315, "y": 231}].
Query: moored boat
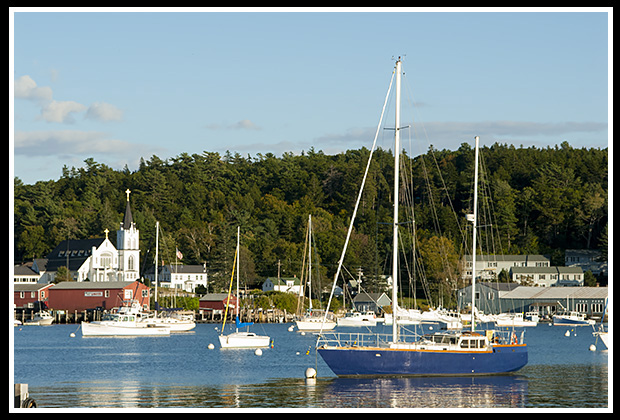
[
  {"x": 40, "y": 318},
  {"x": 456, "y": 353},
  {"x": 572, "y": 318},
  {"x": 117, "y": 324}
]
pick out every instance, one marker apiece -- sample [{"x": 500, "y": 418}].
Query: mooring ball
[{"x": 310, "y": 373}]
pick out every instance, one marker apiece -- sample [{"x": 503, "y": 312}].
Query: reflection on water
[
  {"x": 500, "y": 391},
  {"x": 580, "y": 386}
]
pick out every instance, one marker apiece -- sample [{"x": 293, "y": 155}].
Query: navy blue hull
[{"x": 394, "y": 362}]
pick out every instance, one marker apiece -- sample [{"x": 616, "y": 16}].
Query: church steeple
[
  {"x": 127, "y": 222},
  {"x": 128, "y": 246}
]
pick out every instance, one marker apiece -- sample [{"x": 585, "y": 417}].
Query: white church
[{"x": 98, "y": 259}]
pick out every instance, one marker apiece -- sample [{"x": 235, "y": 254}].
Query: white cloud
[
  {"x": 26, "y": 88},
  {"x": 239, "y": 125},
  {"x": 68, "y": 143},
  {"x": 451, "y": 134},
  {"x": 102, "y": 111},
  {"x": 61, "y": 111}
]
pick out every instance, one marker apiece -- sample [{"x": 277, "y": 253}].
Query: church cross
[
  {"x": 127, "y": 192},
  {"x": 106, "y": 231}
]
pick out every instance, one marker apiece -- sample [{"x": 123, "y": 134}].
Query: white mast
[
  {"x": 473, "y": 257},
  {"x": 156, "y": 260},
  {"x": 396, "y": 195},
  {"x": 237, "y": 303},
  {"x": 310, "y": 260}
]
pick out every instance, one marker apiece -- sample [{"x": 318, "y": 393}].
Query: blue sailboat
[{"x": 439, "y": 354}]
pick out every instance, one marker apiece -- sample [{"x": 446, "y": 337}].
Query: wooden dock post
[{"x": 22, "y": 398}]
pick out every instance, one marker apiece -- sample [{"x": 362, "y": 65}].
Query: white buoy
[
  {"x": 592, "y": 347},
  {"x": 258, "y": 352},
  {"x": 210, "y": 346},
  {"x": 567, "y": 333},
  {"x": 310, "y": 373},
  {"x": 72, "y": 335},
  {"x": 303, "y": 333},
  {"x": 291, "y": 328}
]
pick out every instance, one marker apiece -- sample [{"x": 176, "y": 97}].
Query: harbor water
[{"x": 180, "y": 371}]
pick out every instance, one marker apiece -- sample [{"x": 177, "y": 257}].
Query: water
[{"x": 180, "y": 371}]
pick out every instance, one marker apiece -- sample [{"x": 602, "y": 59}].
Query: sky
[{"x": 118, "y": 86}]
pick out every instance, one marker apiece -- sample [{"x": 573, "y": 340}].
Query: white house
[
  {"x": 180, "y": 276},
  {"x": 549, "y": 276},
  {"x": 283, "y": 284},
  {"x": 488, "y": 267}
]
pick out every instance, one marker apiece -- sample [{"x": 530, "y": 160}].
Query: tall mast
[
  {"x": 473, "y": 256},
  {"x": 396, "y": 195},
  {"x": 156, "y": 260},
  {"x": 310, "y": 260},
  {"x": 238, "y": 255}
]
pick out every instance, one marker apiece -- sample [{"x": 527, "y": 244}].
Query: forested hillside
[{"x": 538, "y": 201}]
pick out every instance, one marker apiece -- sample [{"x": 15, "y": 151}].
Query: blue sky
[{"x": 118, "y": 86}]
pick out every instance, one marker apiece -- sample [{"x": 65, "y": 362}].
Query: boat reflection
[{"x": 427, "y": 392}]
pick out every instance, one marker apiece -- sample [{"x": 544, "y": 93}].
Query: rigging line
[{"x": 359, "y": 197}]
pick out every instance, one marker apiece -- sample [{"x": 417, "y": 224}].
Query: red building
[
  {"x": 216, "y": 302},
  {"x": 26, "y": 294},
  {"x": 79, "y": 296}
]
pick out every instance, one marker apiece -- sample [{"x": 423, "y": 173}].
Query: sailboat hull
[
  {"x": 369, "y": 361},
  {"x": 243, "y": 340}
]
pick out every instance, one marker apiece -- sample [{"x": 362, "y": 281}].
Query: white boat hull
[
  {"x": 39, "y": 321},
  {"x": 343, "y": 322},
  {"x": 104, "y": 329},
  {"x": 243, "y": 340},
  {"x": 174, "y": 325},
  {"x": 315, "y": 325}
]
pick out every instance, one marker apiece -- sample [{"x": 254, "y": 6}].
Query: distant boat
[
  {"x": 177, "y": 322},
  {"x": 572, "y": 318},
  {"x": 121, "y": 324},
  {"x": 601, "y": 333},
  {"x": 358, "y": 319},
  {"x": 515, "y": 320},
  {"x": 40, "y": 318},
  {"x": 455, "y": 353},
  {"x": 314, "y": 319},
  {"x": 240, "y": 339}
]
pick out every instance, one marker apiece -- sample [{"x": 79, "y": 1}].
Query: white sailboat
[
  {"x": 177, "y": 322},
  {"x": 240, "y": 339},
  {"x": 314, "y": 320},
  {"x": 601, "y": 333}
]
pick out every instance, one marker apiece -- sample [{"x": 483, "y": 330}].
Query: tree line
[{"x": 538, "y": 200}]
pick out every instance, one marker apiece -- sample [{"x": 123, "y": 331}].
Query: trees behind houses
[{"x": 538, "y": 200}]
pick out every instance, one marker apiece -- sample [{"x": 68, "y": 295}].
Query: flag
[{"x": 179, "y": 255}]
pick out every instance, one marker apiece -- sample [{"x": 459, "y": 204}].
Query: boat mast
[
  {"x": 473, "y": 257},
  {"x": 310, "y": 260},
  {"x": 156, "y": 260},
  {"x": 396, "y": 195},
  {"x": 237, "y": 304}
]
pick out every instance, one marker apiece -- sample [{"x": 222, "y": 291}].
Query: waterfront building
[
  {"x": 80, "y": 296},
  {"x": 495, "y": 298},
  {"x": 26, "y": 295}
]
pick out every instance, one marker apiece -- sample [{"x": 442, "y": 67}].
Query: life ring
[{"x": 514, "y": 338}]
